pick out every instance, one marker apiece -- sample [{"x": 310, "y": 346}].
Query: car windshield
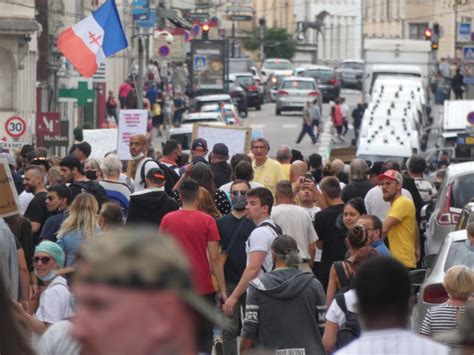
[
  {"x": 277, "y": 65},
  {"x": 245, "y": 80},
  {"x": 352, "y": 65},
  {"x": 460, "y": 254},
  {"x": 298, "y": 85},
  {"x": 322, "y": 75},
  {"x": 463, "y": 190},
  {"x": 196, "y": 120},
  {"x": 183, "y": 138}
]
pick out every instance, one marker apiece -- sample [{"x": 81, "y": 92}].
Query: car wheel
[{"x": 277, "y": 112}]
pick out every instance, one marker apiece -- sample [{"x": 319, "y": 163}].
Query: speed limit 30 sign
[{"x": 15, "y": 126}]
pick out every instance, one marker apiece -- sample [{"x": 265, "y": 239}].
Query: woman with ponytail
[
  {"x": 285, "y": 307},
  {"x": 341, "y": 272}
]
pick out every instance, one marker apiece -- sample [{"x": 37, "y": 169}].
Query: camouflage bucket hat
[{"x": 143, "y": 259}]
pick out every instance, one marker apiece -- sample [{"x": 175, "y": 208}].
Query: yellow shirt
[
  {"x": 286, "y": 170},
  {"x": 268, "y": 174},
  {"x": 402, "y": 235}
]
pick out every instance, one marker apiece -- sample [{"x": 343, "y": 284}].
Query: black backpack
[
  {"x": 94, "y": 188},
  {"x": 350, "y": 330},
  {"x": 170, "y": 175}
]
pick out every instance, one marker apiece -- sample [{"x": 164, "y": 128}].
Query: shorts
[{"x": 157, "y": 120}]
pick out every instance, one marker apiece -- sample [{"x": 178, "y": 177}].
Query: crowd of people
[{"x": 171, "y": 253}]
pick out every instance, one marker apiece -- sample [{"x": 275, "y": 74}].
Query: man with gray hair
[
  {"x": 115, "y": 189},
  {"x": 283, "y": 156},
  {"x": 359, "y": 183}
]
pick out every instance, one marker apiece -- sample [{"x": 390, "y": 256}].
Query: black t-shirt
[
  {"x": 37, "y": 212},
  {"x": 356, "y": 189},
  {"x": 237, "y": 259},
  {"x": 330, "y": 230}
]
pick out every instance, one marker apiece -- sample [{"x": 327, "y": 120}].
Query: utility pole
[
  {"x": 140, "y": 73},
  {"x": 362, "y": 44},
  {"x": 263, "y": 24},
  {"x": 233, "y": 39}
]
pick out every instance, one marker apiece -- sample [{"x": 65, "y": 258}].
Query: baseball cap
[
  {"x": 71, "y": 163},
  {"x": 392, "y": 175},
  {"x": 156, "y": 173},
  {"x": 199, "y": 142},
  {"x": 85, "y": 148},
  {"x": 142, "y": 259},
  {"x": 220, "y": 149},
  {"x": 376, "y": 168}
]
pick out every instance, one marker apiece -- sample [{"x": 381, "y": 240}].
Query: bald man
[
  {"x": 140, "y": 163},
  {"x": 283, "y": 156},
  {"x": 297, "y": 170}
]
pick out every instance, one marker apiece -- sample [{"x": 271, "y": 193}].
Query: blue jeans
[{"x": 306, "y": 129}]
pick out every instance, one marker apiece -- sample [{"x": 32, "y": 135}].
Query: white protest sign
[
  {"x": 237, "y": 139},
  {"x": 102, "y": 141},
  {"x": 131, "y": 122}
]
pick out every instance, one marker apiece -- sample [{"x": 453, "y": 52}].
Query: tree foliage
[{"x": 278, "y": 43}]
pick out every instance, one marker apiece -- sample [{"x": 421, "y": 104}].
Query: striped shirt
[
  {"x": 392, "y": 342},
  {"x": 440, "y": 319}
]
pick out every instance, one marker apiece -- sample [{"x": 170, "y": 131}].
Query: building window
[{"x": 416, "y": 30}]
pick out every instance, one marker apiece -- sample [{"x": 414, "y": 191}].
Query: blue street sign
[
  {"x": 468, "y": 54},
  {"x": 200, "y": 62}
]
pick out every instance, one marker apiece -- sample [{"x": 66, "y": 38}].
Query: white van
[{"x": 455, "y": 121}]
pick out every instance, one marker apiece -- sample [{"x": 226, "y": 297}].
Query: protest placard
[
  {"x": 236, "y": 138},
  {"x": 9, "y": 204},
  {"x": 131, "y": 122},
  {"x": 102, "y": 141}
]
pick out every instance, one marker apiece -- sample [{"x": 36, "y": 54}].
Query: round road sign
[
  {"x": 15, "y": 126},
  {"x": 470, "y": 118},
  {"x": 164, "y": 51}
]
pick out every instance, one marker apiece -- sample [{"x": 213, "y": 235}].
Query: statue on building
[{"x": 317, "y": 24}]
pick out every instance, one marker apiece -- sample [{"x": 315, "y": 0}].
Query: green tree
[{"x": 278, "y": 43}]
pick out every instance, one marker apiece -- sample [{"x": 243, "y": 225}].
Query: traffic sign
[
  {"x": 464, "y": 32},
  {"x": 470, "y": 118},
  {"x": 200, "y": 62},
  {"x": 241, "y": 9},
  {"x": 198, "y": 16},
  {"x": 468, "y": 54},
  {"x": 240, "y": 17},
  {"x": 15, "y": 126},
  {"x": 164, "y": 51}
]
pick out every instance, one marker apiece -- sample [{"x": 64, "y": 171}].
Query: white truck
[{"x": 396, "y": 57}]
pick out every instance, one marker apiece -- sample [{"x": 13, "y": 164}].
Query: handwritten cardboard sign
[{"x": 9, "y": 204}]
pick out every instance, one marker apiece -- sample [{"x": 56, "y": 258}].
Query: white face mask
[{"x": 139, "y": 156}]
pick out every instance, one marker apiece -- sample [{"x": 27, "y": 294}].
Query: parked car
[
  {"x": 211, "y": 99},
  {"x": 325, "y": 77},
  {"x": 239, "y": 98},
  {"x": 453, "y": 251},
  {"x": 228, "y": 112},
  {"x": 246, "y": 65},
  {"x": 277, "y": 66},
  {"x": 466, "y": 217},
  {"x": 271, "y": 86},
  {"x": 247, "y": 82},
  {"x": 456, "y": 190},
  {"x": 295, "y": 92},
  {"x": 184, "y": 132},
  {"x": 351, "y": 73}
]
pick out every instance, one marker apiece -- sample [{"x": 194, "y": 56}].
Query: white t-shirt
[
  {"x": 345, "y": 110},
  {"x": 312, "y": 213},
  {"x": 25, "y": 198},
  {"x": 139, "y": 183},
  {"x": 335, "y": 313},
  {"x": 226, "y": 187},
  {"x": 57, "y": 340},
  {"x": 296, "y": 223},
  {"x": 261, "y": 240},
  {"x": 375, "y": 204},
  {"x": 54, "y": 304},
  {"x": 393, "y": 342}
]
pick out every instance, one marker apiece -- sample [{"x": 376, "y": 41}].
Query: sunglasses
[
  {"x": 242, "y": 192},
  {"x": 44, "y": 259}
]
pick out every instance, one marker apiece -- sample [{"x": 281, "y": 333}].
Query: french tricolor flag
[{"x": 89, "y": 42}]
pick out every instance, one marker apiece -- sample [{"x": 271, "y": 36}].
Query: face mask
[
  {"x": 91, "y": 175},
  {"x": 239, "y": 202},
  {"x": 139, "y": 156},
  {"x": 48, "y": 277}
]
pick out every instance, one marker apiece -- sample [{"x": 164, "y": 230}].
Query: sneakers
[{"x": 218, "y": 348}]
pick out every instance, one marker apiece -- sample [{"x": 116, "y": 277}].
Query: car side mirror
[{"x": 428, "y": 261}]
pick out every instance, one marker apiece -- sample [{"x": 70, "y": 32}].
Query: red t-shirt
[{"x": 193, "y": 230}]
